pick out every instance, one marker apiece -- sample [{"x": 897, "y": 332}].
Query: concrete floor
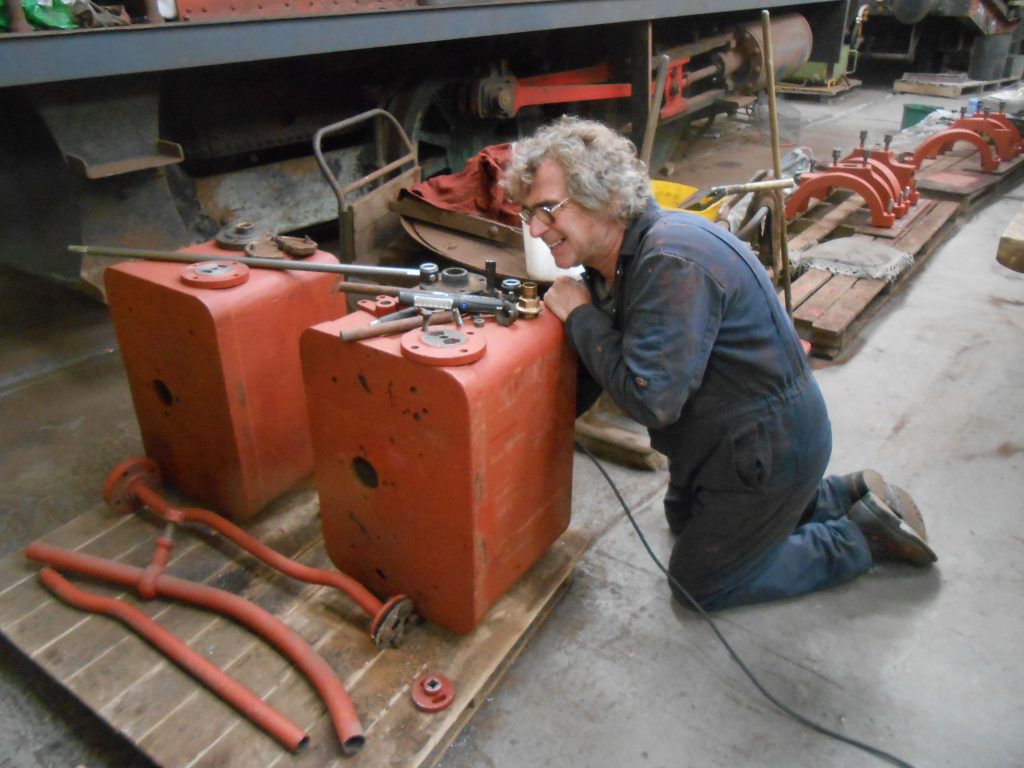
[{"x": 924, "y": 664}]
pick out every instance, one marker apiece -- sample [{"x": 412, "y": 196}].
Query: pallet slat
[{"x": 830, "y": 329}]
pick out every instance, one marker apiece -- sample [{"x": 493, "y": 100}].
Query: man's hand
[{"x": 564, "y": 296}]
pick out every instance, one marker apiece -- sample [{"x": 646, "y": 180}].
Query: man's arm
[{"x": 673, "y": 310}]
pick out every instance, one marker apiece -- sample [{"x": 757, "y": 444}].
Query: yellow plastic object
[{"x": 669, "y": 194}]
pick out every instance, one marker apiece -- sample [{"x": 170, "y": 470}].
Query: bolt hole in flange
[
  {"x": 433, "y": 693},
  {"x": 163, "y": 392},
  {"x": 365, "y": 472}
]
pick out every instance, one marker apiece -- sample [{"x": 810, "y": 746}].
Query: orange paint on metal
[
  {"x": 444, "y": 345},
  {"x": 215, "y": 274},
  {"x": 442, "y": 483},
  {"x": 215, "y": 375}
]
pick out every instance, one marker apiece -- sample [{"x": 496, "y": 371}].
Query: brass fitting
[{"x": 529, "y": 301}]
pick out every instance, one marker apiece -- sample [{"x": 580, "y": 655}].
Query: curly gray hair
[{"x": 602, "y": 171}]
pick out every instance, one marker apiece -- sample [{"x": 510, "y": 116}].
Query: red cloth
[{"x": 475, "y": 190}]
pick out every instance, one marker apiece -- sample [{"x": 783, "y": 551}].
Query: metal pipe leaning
[
  {"x": 317, "y": 671},
  {"x": 237, "y": 695}
]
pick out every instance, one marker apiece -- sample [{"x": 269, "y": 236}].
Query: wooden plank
[
  {"x": 821, "y": 229},
  {"x": 829, "y": 330},
  {"x": 927, "y": 227},
  {"x": 805, "y": 285},
  {"x": 1010, "y": 252},
  {"x": 861, "y": 221},
  {"x": 812, "y": 310}
]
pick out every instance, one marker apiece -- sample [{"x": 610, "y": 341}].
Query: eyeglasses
[{"x": 546, "y": 213}]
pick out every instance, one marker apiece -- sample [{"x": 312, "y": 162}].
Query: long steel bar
[
  {"x": 288, "y": 265},
  {"x": 773, "y": 119}
]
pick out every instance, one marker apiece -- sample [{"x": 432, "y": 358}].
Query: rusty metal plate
[{"x": 471, "y": 252}]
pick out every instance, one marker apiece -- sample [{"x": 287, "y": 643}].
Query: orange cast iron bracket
[
  {"x": 241, "y": 698},
  {"x": 821, "y": 184},
  {"x": 943, "y": 141},
  {"x": 131, "y": 485},
  {"x": 317, "y": 671}
]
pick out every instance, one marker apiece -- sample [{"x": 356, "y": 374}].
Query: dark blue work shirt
[{"x": 694, "y": 344}]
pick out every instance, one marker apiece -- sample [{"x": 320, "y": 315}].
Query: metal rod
[
  {"x": 352, "y": 270},
  {"x": 398, "y": 326},
  {"x": 773, "y": 119},
  {"x": 753, "y": 186},
  {"x": 654, "y": 111}
]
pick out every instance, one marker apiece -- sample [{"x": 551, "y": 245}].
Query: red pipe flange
[
  {"x": 820, "y": 185},
  {"x": 432, "y": 693},
  {"x": 942, "y": 142}
]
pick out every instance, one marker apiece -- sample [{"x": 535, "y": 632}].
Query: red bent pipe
[
  {"x": 234, "y": 693},
  {"x": 130, "y": 485},
  {"x": 366, "y": 599},
  {"x": 339, "y": 705}
]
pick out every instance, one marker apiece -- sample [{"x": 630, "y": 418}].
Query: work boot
[
  {"x": 897, "y": 499},
  {"x": 888, "y": 536}
]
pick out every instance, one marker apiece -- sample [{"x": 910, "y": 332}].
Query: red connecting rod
[
  {"x": 237, "y": 695},
  {"x": 318, "y": 672}
]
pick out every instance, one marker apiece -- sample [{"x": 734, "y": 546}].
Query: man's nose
[{"x": 537, "y": 227}]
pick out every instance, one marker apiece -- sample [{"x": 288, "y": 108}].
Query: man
[{"x": 679, "y": 322}]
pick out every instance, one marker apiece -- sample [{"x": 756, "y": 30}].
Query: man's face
[{"x": 576, "y": 236}]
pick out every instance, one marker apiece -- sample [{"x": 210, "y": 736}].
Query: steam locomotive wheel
[{"x": 436, "y": 116}]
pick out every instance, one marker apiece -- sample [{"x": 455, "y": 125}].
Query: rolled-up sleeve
[{"x": 673, "y": 310}]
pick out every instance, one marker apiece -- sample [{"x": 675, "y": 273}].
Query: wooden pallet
[
  {"x": 948, "y": 85},
  {"x": 819, "y": 92},
  {"x": 829, "y": 310},
  {"x": 957, "y": 175},
  {"x": 177, "y": 722}
]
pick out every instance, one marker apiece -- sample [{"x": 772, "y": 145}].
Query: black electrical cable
[{"x": 875, "y": 751}]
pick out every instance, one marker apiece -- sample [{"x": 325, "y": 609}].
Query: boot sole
[{"x": 899, "y": 501}]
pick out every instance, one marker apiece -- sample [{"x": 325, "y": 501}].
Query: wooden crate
[
  {"x": 829, "y": 310},
  {"x": 177, "y": 722}
]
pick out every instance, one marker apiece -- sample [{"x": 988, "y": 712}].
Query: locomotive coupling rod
[
  {"x": 753, "y": 186},
  {"x": 353, "y": 270}
]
